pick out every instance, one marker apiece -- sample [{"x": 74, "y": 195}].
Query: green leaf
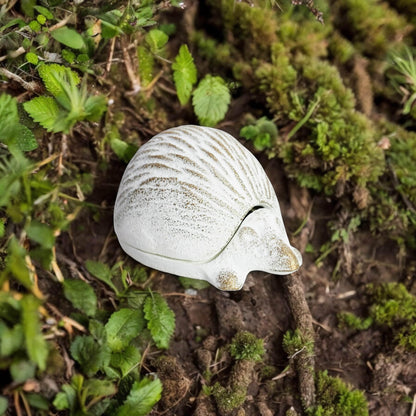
[
  {"x": 99, "y": 388},
  {"x": 210, "y": 100},
  {"x": 9, "y": 119},
  {"x": 2, "y": 228},
  {"x": 184, "y": 74},
  {"x": 56, "y": 77},
  {"x": 101, "y": 271},
  {"x": 11, "y": 339},
  {"x": 16, "y": 264},
  {"x": 4, "y": 404},
  {"x": 43, "y": 110},
  {"x": 91, "y": 355},
  {"x": 146, "y": 65},
  {"x": 36, "y": 346},
  {"x": 125, "y": 151},
  {"x": 35, "y": 26},
  {"x": 125, "y": 360},
  {"x": 27, "y": 7},
  {"x": 37, "y": 401},
  {"x": 141, "y": 399},
  {"x": 44, "y": 11},
  {"x": 68, "y": 37},
  {"x": 160, "y": 319},
  {"x": 61, "y": 401},
  {"x": 21, "y": 370},
  {"x": 81, "y": 295},
  {"x": 25, "y": 139},
  {"x": 32, "y": 58},
  {"x": 41, "y": 233},
  {"x": 156, "y": 39},
  {"x": 123, "y": 325},
  {"x": 95, "y": 106}
]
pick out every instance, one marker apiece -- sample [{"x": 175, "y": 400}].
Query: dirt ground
[{"x": 207, "y": 321}]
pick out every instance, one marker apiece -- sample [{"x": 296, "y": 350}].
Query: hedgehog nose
[{"x": 291, "y": 259}]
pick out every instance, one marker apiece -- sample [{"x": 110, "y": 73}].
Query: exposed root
[{"x": 304, "y": 361}]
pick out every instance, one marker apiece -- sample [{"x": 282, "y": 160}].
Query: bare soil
[{"x": 207, "y": 321}]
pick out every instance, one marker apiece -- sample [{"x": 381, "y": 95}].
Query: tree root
[{"x": 304, "y": 360}]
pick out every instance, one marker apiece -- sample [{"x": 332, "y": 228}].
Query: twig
[
  {"x": 61, "y": 23},
  {"x": 110, "y": 55},
  {"x": 413, "y": 411},
  {"x": 134, "y": 79},
  {"x": 304, "y": 361},
  {"x": 29, "y": 86},
  {"x": 310, "y": 5}
]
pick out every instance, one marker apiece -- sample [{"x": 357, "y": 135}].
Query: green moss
[
  {"x": 392, "y": 308},
  {"x": 372, "y": 25},
  {"x": 393, "y": 304},
  {"x": 334, "y": 397},
  {"x": 349, "y": 320},
  {"x": 293, "y": 342},
  {"x": 246, "y": 346},
  {"x": 228, "y": 398}
]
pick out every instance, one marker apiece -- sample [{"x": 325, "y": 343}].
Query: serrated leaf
[
  {"x": 36, "y": 346},
  {"x": 32, "y": 58},
  {"x": 156, "y": 39},
  {"x": 160, "y": 319},
  {"x": 184, "y": 74},
  {"x": 125, "y": 360},
  {"x": 25, "y": 139},
  {"x": 210, "y": 100},
  {"x": 68, "y": 37},
  {"x": 81, "y": 295},
  {"x": 40, "y": 233},
  {"x": 95, "y": 106},
  {"x": 123, "y": 325},
  {"x": 90, "y": 354},
  {"x": 141, "y": 399},
  {"x": 99, "y": 388},
  {"x": 55, "y": 77},
  {"x": 43, "y": 110},
  {"x": 9, "y": 119},
  {"x": 101, "y": 271}
]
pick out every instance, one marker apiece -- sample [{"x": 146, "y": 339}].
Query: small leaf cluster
[
  {"x": 335, "y": 397},
  {"x": 210, "y": 99},
  {"x": 262, "y": 132},
  {"x": 99, "y": 397},
  {"x": 68, "y": 103},
  {"x": 23, "y": 349},
  {"x": 109, "y": 381}
]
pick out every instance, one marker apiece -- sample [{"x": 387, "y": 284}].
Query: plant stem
[{"x": 304, "y": 119}]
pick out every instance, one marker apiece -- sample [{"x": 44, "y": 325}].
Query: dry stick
[{"x": 304, "y": 361}]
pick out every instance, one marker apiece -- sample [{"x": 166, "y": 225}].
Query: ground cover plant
[{"x": 328, "y": 109}]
